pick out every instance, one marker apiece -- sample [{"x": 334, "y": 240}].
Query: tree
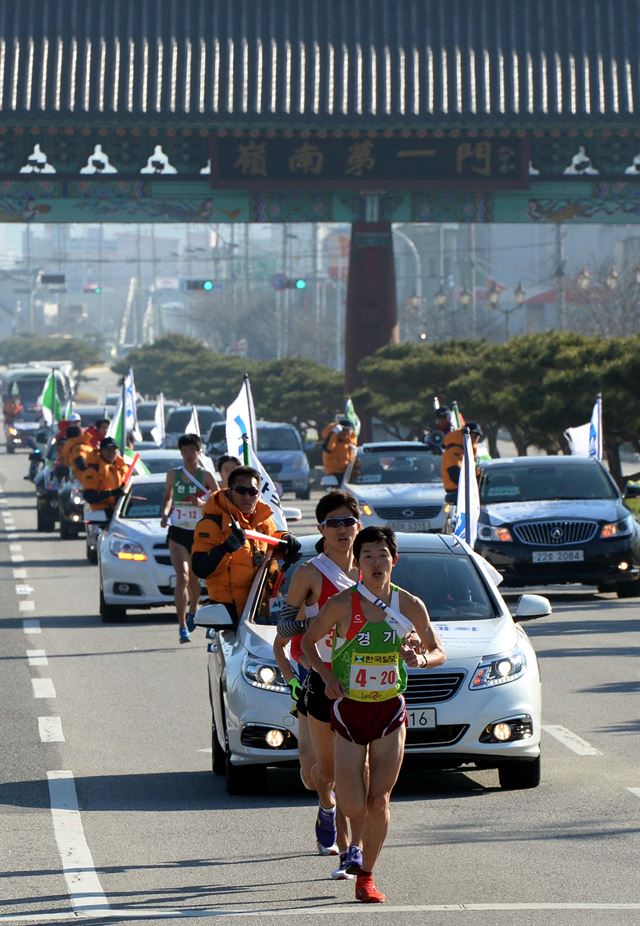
[{"x": 24, "y": 348}]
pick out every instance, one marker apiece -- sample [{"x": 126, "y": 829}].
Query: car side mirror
[
  {"x": 215, "y": 616},
  {"x": 330, "y": 482},
  {"x": 530, "y": 607},
  {"x": 293, "y": 514},
  {"x": 632, "y": 490}
]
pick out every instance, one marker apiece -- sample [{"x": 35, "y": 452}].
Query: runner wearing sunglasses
[
  {"x": 312, "y": 585},
  {"x": 222, "y": 553}
]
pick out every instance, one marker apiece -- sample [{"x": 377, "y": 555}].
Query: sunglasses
[
  {"x": 339, "y": 522},
  {"x": 246, "y": 490}
]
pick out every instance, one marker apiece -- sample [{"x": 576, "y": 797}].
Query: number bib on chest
[
  {"x": 373, "y": 677},
  {"x": 185, "y": 516}
]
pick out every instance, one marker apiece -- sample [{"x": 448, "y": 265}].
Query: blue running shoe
[
  {"x": 340, "y": 873},
  {"x": 184, "y": 635},
  {"x": 191, "y": 621},
  {"x": 326, "y": 831},
  {"x": 353, "y": 864}
]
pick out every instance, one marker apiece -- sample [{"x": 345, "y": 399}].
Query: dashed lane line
[
  {"x": 31, "y": 626},
  {"x": 37, "y": 657},
  {"x": 16, "y": 557},
  {"x": 27, "y": 605},
  {"x": 43, "y": 688},
  {"x": 571, "y": 740},
  {"x": 345, "y": 912},
  {"x": 85, "y": 890},
  {"x": 19, "y": 573},
  {"x": 50, "y": 729},
  {"x": 15, "y": 548}
]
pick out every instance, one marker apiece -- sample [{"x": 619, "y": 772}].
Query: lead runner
[{"x": 366, "y": 681}]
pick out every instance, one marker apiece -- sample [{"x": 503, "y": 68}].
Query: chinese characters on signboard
[{"x": 359, "y": 161}]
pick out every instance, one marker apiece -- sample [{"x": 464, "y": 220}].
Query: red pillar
[{"x": 372, "y": 316}]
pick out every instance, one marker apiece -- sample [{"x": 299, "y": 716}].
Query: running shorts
[
  {"x": 317, "y": 704},
  {"x": 364, "y": 721},
  {"x": 182, "y": 536}
]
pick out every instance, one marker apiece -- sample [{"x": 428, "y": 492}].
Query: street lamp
[
  {"x": 519, "y": 294},
  {"x": 494, "y": 295},
  {"x": 584, "y": 278},
  {"x": 612, "y": 279},
  {"x": 465, "y": 297},
  {"x": 440, "y": 298}
]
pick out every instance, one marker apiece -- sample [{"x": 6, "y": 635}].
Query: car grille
[
  {"x": 431, "y": 687},
  {"x": 555, "y": 533},
  {"x": 274, "y": 468},
  {"x": 444, "y": 735},
  {"x": 407, "y": 512},
  {"x": 162, "y": 557}
]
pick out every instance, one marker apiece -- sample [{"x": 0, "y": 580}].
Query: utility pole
[{"x": 561, "y": 278}]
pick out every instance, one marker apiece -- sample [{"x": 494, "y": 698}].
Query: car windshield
[
  {"x": 218, "y": 434},
  {"x": 146, "y": 410},
  {"x": 144, "y": 501},
  {"x": 161, "y": 464},
  {"x": 522, "y": 483},
  {"x": 30, "y": 388},
  {"x": 278, "y": 439},
  {"x": 28, "y": 414},
  {"x": 385, "y": 467},
  {"x": 450, "y": 586},
  {"x": 89, "y": 416},
  {"x": 179, "y": 418}
]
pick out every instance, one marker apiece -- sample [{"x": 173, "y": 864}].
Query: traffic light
[
  {"x": 205, "y": 286},
  {"x": 53, "y": 279},
  {"x": 300, "y": 283},
  {"x": 92, "y": 288},
  {"x": 281, "y": 281}
]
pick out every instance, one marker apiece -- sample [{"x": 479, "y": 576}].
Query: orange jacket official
[
  {"x": 338, "y": 449},
  {"x": 231, "y": 579},
  {"x": 74, "y": 454},
  {"x": 100, "y": 479}
]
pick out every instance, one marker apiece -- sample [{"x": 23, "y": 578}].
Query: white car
[
  {"x": 396, "y": 483},
  {"x": 133, "y": 557},
  {"x": 480, "y": 709}
]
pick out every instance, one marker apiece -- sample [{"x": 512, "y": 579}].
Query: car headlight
[
  {"x": 620, "y": 528},
  {"x": 298, "y": 463},
  {"x": 126, "y": 549},
  {"x": 12, "y": 431},
  {"x": 501, "y": 534},
  {"x": 264, "y": 675},
  {"x": 368, "y": 510},
  {"x": 499, "y": 669},
  {"x": 77, "y": 499}
]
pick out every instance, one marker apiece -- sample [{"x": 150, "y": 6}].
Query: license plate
[
  {"x": 172, "y": 581},
  {"x": 410, "y": 526},
  {"x": 421, "y": 718},
  {"x": 557, "y": 556}
]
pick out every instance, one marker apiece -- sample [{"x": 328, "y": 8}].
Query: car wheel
[
  {"x": 245, "y": 779},
  {"x": 516, "y": 776},
  {"x": 66, "y": 532},
  {"x": 628, "y": 589},
  {"x": 218, "y": 754},
  {"x": 111, "y": 613},
  {"x": 305, "y": 495},
  {"x": 11, "y": 448},
  {"x": 44, "y": 524}
]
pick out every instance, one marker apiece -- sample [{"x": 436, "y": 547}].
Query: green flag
[
  {"x": 50, "y": 400},
  {"x": 350, "y": 413}
]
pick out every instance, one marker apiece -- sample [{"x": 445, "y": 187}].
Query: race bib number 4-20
[{"x": 373, "y": 677}]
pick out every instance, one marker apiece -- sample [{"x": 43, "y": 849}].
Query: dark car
[
  {"x": 553, "y": 520},
  {"x": 179, "y": 419}
]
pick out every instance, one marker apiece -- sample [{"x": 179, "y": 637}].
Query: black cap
[
  {"x": 442, "y": 412},
  {"x": 345, "y": 422},
  {"x": 107, "y": 442},
  {"x": 474, "y": 427}
]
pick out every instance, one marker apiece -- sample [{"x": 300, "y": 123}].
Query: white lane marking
[
  {"x": 16, "y": 557},
  {"x": 635, "y": 791},
  {"x": 15, "y": 548},
  {"x": 90, "y": 912},
  {"x": 43, "y": 688},
  {"x": 24, "y": 589},
  {"x": 571, "y": 740},
  {"x": 26, "y": 606},
  {"x": 19, "y": 573},
  {"x": 13, "y": 536},
  {"x": 85, "y": 890},
  {"x": 50, "y": 729},
  {"x": 37, "y": 657},
  {"x": 31, "y": 626}
]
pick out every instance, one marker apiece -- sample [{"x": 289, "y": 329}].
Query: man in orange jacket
[
  {"x": 103, "y": 479},
  {"x": 222, "y": 553},
  {"x": 339, "y": 444},
  {"x": 76, "y": 449},
  {"x": 452, "y": 457}
]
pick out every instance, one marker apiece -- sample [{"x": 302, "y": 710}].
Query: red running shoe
[{"x": 366, "y": 891}]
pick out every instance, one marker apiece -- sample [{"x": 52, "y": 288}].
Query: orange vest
[
  {"x": 340, "y": 450},
  {"x": 73, "y": 448},
  {"x": 232, "y": 579},
  {"x": 452, "y": 457},
  {"x": 102, "y": 476}
]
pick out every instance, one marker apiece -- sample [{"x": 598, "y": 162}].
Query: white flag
[
  {"x": 193, "y": 425},
  {"x": 241, "y": 421},
  {"x": 468, "y": 503},
  {"x": 157, "y": 431},
  {"x": 578, "y": 440},
  {"x": 125, "y": 420},
  {"x": 595, "y": 430}
]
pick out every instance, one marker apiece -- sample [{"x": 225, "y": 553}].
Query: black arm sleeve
[
  {"x": 94, "y": 495},
  {"x": 203, "y": 564},
  {"x": 288, "y": 626}
]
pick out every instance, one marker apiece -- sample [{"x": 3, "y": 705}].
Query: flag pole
[
  {"x": 123, "y": 417},
  {"x": 467, "y": 488},
  {"x": 600, "y": 434},
  {"x": 245, "y": 449},
  {"x": 252, "y": 424}
]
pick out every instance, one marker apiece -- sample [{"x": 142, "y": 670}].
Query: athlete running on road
[
  {"x": 186, "y": 491},
  {"x": 338, "y": 517},
  {"x": 366, "y": 681}
]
